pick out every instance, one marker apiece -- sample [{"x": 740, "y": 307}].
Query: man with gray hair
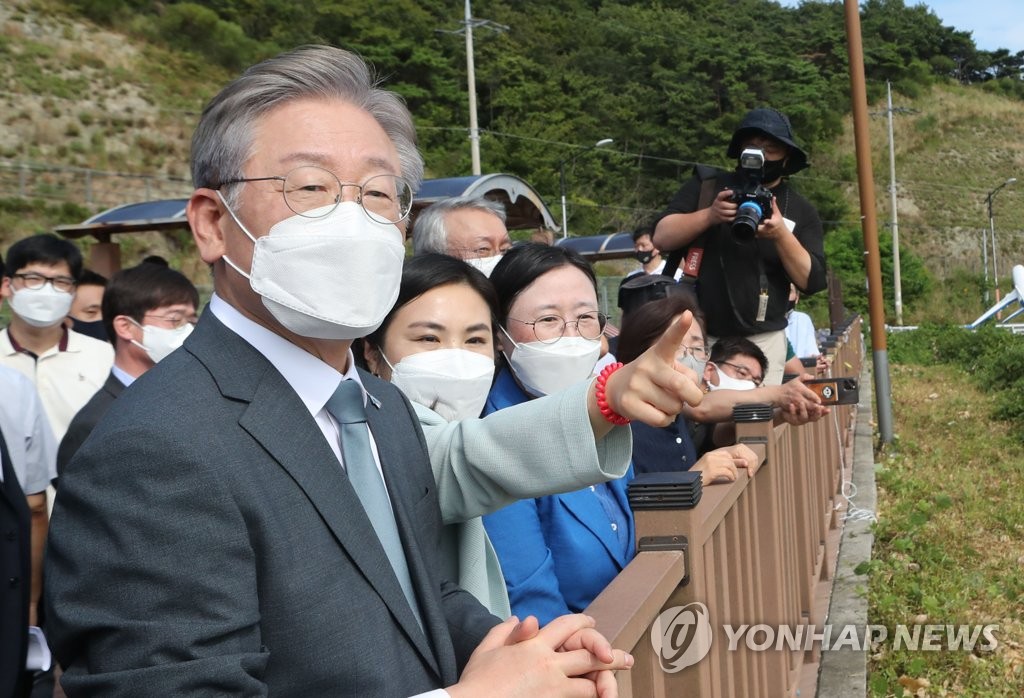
[
  {"x": 255, "y": 515},
  {"x": 470, "y": 228}
]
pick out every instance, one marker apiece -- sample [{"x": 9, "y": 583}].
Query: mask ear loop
[
  {"x": 227, "y": 260},
  {"x": 140, "y": 345},
  {"x": 384, "y": 356}
]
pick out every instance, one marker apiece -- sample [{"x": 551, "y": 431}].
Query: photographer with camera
[{"x": 743, "y": 236}]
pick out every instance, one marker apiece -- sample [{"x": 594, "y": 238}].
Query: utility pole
[
  {"x": 468, "y": 24},
  {"x": 992, "y": 230},
  {"x": 869, "y": 223},
  {"x": 896, "y": 282}
]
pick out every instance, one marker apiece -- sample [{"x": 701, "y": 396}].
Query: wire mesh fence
[{"x": 95, "y": 189}]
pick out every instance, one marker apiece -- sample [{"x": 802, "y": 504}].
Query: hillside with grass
[{"x": 99, "y": 112}]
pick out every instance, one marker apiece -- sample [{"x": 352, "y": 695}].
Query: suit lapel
[
  {"x": 278, "y": 420},
  {"x": 113, "y": 386}
]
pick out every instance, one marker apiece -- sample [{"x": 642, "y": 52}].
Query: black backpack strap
[{"x": 708, "y": 177}]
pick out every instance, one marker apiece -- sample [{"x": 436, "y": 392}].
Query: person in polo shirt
[{"x": 67, "y": 367}]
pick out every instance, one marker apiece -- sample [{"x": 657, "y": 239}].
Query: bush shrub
[{"x": 993, "y": 356}]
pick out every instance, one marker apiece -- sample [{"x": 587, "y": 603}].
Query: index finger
[{"x": 668, "y": 343}]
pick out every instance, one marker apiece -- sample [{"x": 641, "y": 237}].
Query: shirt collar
[
  {"x": 121, "y": 375},
  {"x": 61, "y": 345},
  {"x": 313, "y": 380}
]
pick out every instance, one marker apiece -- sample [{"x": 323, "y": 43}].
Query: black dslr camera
[{"x": 754, "y": 198}]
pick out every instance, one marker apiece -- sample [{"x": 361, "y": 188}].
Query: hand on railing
[
  {"x": 520, "y": 659},
  {"x": 722, "y": 464},
  {"x": 653, "y": 388}
]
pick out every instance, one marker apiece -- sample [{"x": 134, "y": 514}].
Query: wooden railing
[{"x": 759, "y": 551}]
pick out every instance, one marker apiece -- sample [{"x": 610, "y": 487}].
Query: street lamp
[
  {"x": 992, "y": 232},
  {"x": 561, "y": 177}
]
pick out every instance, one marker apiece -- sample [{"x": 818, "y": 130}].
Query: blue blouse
[
  {"x": 663, "y": 449},
  {"x": 559, "y": 552}
]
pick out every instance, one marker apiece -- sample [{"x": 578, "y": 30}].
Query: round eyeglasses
[
  {"x": 698, "y": 352},
  {"x": 314, "y": 192},
  {"x": 33, "y": 281},
  {"x": 743, "y": 373},
  {"x": 548, "y": 329}
]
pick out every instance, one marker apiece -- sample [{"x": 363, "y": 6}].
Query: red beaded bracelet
[{"x": 602, "y": 401}]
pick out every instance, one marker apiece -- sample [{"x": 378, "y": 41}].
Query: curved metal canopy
[
  {"x": 601, "y": 247},
  {"x": 523, "y": 205}
]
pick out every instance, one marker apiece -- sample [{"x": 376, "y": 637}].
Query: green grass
[{"x": 948, "y": 540}]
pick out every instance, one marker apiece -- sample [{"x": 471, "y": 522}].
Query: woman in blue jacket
[{"x": 557, "y": 552}]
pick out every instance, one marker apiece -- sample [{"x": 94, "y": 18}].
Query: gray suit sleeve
[
  {"x": 540, "y": 447},
  {"x": 150, "y": 577}
]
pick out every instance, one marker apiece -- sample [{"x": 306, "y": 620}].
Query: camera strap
[
  {"x": 694, "y": 252},
  {"x": 762, "y": 296}
]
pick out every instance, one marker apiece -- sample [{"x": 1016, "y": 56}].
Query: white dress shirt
[{"x": 26, "y": 430}]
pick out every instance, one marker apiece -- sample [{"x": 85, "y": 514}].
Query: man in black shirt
[{"x": 743, "y": 282}]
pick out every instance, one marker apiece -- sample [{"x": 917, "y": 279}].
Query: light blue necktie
[{"x": 346, "y": 406}]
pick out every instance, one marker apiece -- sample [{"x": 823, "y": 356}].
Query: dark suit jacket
[
  {"x": 15, "y": 577},
  {"x": 207, "y": 542},
  {"x": 86, "y": 420}
]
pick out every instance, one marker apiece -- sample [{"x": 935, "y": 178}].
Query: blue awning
[
  {"x": 145, "y": 211},
  {"x": 600, "y": 247}
]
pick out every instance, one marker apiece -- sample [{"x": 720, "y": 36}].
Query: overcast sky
[{"x": 993, "y": 23}]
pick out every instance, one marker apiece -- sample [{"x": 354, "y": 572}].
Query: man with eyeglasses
[
  {"x": 735, "y": 363},
  {"x": 149, "y": 310},
  {"x": 469, "y": 228},
  {"x": 67, "y": 367},
  {"x": 281, "y": 520}
]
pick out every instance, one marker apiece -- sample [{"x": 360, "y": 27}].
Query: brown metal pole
[{"x": 869, "y": 224}]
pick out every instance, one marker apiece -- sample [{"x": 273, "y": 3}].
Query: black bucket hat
[{"x": 774, "y": 124}]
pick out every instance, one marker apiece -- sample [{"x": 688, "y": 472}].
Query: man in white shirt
[
  {"x": 33, "y": 453},
  {"x": 66, "y": 367},
  {"x": 649, "y": 256},
  {"x": 800, "y": 328}
]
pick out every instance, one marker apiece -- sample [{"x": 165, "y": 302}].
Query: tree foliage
[{"x": 667, "y": 79}]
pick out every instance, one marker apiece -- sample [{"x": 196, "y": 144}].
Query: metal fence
[{"x": 95, "y": 189}]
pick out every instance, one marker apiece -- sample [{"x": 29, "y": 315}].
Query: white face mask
[
  {"x": 452, "y": 382},
  {"x": 333, "y": 277},
  {"x": 484, "y": 264},
  {"x": 693, "y": 363},
  {"x": 727, "y": 382},
  {"x": 159, "y": 342},
  {"x": 544, "y": 369},
  {"x": 41, "y": 307}
]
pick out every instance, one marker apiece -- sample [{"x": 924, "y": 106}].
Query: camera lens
[{"x": 748, "y": 217}]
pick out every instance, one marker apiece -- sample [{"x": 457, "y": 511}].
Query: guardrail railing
[{"x": 759, "y": 552}]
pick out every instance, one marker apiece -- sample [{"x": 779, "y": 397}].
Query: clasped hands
[{"x": 567, "y": 657}]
